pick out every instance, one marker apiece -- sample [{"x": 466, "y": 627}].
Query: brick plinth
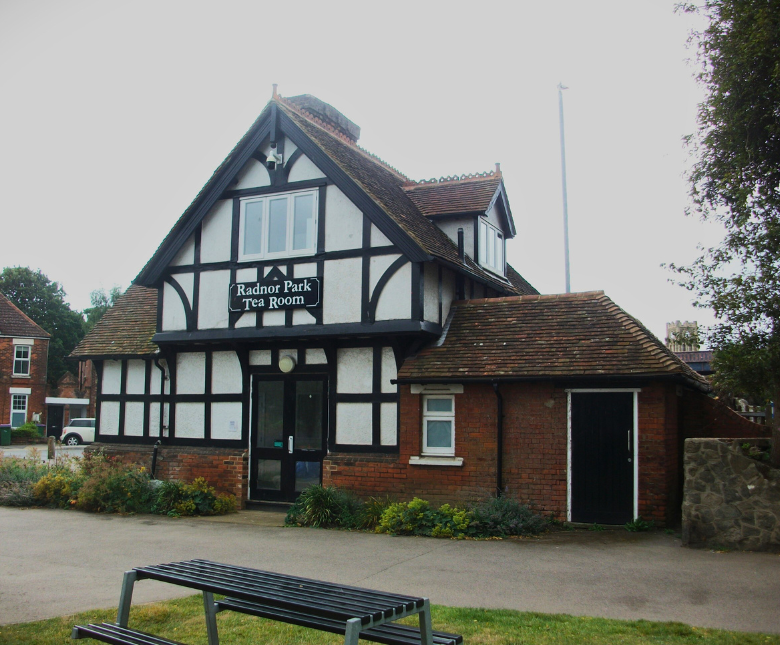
[{"x": 227, "y": 470}]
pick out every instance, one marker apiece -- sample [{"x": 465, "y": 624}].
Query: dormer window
[
  {"x": 276, "y": 226},
  {"x": 491, "y": 247}
]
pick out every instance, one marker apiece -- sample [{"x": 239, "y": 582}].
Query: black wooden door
[
  {"x": 54, "y": 415},
  {"x": 288, "y": 435},
  {"x": 602, "y": 454}
]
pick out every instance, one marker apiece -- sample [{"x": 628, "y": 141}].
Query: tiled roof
[
  {"x": 450, "y": 197},
  {"x": 14, "y": 322},
  {"x": 386, "y": 186},
  {"x": 556, "y": 336},
  {"x": 126, "y": 329}
]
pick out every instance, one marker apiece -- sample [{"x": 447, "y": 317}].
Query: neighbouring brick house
[
  {"x": 24, "y": 350},
  {"x": 316, "y": 316}
]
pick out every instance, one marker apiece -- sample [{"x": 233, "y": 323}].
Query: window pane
[
  {"x": 22, "y": 351},
  {"x": 490, "y": 260},
  {"x": 18, "y": 419},
  {"x": 253, "y": 228},
  {"x": 21, "y": 367},
  {"x": 307, "y": 473},
  {"x": 439, "y": 405},
  {"x": 270, "y": 414},
  {"x": 439, "y": 434},
  {"x": 277, "y": 225},
  {"x": 482, "y": 242},
  {"x": 269, "y": 474},
  {"x": 308, "y": 415},
  {"x": 303, "y": 223}
]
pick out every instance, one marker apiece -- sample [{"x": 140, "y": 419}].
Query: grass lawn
[{"x": 182, "y": 620}]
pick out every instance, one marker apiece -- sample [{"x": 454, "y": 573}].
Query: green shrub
[
  {"x": 639, "y": 525},
  {"x": 17, "y": 480},
  {"x": 502, "y": 516},
  {"x": 110, "y": 486},
  {"x": 28, "y": 431},
  {"x": 370, "y": 512},
  {"x": 198, "y": 498},
  {"x": 58, "y": 488},
  {"x": 323, "y": 507},
  {"x": 418, "y": 518}
]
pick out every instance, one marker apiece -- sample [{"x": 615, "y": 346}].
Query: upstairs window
[
  {"x": 275, "y": 226},
  {"x": 491, "y": 247},
  {"x": 21, "y": 360},
  {"x": 438, "y": 425}
]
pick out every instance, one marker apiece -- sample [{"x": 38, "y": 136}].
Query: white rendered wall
[
  {"x": 260, "y": 357},
  {"x": 174, "y": 316},
  {"x": 186, "y": 254},
  {"x": 343, "y": 222},
  {"x": 136, "y": 377},
  {"x": 303, "y": 169},
  {"x": 226, "y": 420},
  {"x": 451, "y": 226},
  {"x": 190, "y": 373},
  {"x": 396, "y": 302},
  {"x": 353, "y": 424},
  {"x": 431, "y": 292},
  {"x": 112, "y": 377},
  {"x": 226, "y": 373},
  {"x": 109, "y": 417},
  {"x": 134, "y": 419},
  {"x": 447, "y": 293},
  {"x": 216, "y": 234},
  {"x": 378, "y": 238},
  {"x": 378, "y": 265},
  {"x": 354, "y": 370},
  {"x": 289, "y": 148},
  {"x": 389, "y": 371},
  {"x": 154, "y": 382},
  {"x": 274, "y": 318},
  {"x": 316, "y": 356},
  {"x": 253, "y": 175},
  {"x": 248, "y": 319},
  {"x": 494, "y": 217},
  {"x": 213, "y": 300},
  {"x": 388, "y": 424},
  {"x": 190, "y": 421},
  {"x": 154, "y": 418},
  {"x": 342, "y": 291}
]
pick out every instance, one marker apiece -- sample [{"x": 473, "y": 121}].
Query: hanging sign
[{"x": 267, "y": 295}]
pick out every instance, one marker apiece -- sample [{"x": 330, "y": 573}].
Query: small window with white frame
[
  {"x": 18, "y": 410},
  {"x": 491, "y": 247},
  {"x": 21, "y": 360},
  {"x": 283, "y": 225},
  {"x": 438, "y": 425}
]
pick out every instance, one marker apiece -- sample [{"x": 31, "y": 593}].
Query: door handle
[
  {"x": 290, "y": 444},
  {"x": 629, "y": 441}
]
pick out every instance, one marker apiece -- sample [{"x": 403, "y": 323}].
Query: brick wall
[
  {"x": 535, "y": 451},
  {"x": 36, "y": 401},
  {"x": 709, "y": 418},
  {"x": 226, "y": 469}
]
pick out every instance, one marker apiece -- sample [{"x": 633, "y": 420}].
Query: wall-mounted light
[{"x": 286, "y": 364}]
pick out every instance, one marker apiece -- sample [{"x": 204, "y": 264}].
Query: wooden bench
[{"x": 352, "y": 611}]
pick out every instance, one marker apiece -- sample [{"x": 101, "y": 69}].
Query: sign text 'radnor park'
[{"x": 275, "y": 294}]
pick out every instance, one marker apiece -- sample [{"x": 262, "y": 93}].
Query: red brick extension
[{"x": 36, "y": 381}]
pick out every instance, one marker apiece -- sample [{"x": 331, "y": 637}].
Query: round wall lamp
[{"x": 286, "y": 364}]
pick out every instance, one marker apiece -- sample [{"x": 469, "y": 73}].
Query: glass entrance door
[{"x": 288, "y": 436}]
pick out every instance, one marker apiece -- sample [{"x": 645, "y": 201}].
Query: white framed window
[
  {"x": 438, "y": 424},
  {"x": 21, "y": 360},
  {"x": 18, "y": 410},
  {"x": 281, "y": 225},
  {"x": 491, "y": 247}
]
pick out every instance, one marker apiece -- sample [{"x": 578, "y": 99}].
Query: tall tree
[
  {"x": 102, "y": 301},
  {"x": 44, "y": 302},
  {"x": 736, "y": 180}
]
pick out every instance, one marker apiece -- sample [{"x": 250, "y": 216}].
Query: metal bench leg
[
  {"x": 426, "y": 628},
  {"x": 125, "y": 598},
  {"x": 352, "y": 633},
  {"x": 211, "y": 617}
]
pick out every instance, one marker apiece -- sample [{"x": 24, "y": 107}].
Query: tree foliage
[
  {"x": 736, "y": 180},
  {"x": 44, "y": 302},
  {"x": 102, "y": 301}
]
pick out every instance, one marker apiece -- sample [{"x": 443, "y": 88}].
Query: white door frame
[{"x": 635, "y": 440}]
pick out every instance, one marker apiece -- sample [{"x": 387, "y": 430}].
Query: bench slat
[
  {"x": 110, "y": 633},
  {"x": 389, "y": 633}
]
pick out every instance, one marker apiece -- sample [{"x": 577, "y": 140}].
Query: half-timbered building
[{"x": 261, "y": 344}]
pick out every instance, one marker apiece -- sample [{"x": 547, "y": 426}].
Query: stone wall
[{"x": 730, "y": 500}]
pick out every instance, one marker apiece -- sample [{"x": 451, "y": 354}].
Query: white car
[{"x": 78, "y": 431}]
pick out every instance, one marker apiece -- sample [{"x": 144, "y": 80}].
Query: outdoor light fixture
[
  {"x": 273, "y": 158},
  {"x": 286, "y": 364}
]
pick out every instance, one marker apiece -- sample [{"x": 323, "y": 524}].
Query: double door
[{"x": 289, "y": 420}]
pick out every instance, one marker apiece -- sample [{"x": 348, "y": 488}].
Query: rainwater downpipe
[
  {"x": 499, "y": 440},
  {"x": 157, "y": 444}
]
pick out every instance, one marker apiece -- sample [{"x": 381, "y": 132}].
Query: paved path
[{"x": 56, "y": 562}]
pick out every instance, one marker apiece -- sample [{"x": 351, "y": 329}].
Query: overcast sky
[{"x": 114, "y": 115}]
